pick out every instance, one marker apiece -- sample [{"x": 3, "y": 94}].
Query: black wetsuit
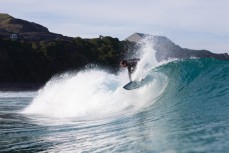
[{"x": 131, "y": 66}]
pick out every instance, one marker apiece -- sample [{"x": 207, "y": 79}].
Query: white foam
[
  {"x": 96, "y": 94},
  {"x": 147, "y": 56}
]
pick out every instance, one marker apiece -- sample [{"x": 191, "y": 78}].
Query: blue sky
[{"x": 194, "y": 24}]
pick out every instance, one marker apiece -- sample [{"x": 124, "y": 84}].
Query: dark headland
[{"x": 30, "y": 54}]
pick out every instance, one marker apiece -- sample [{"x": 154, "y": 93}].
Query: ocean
[{"x": 184, "y": 109}]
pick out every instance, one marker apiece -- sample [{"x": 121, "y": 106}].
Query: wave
[
  {"x": 96, "y": 94},
  {"x": 93, "y": 94},
  {"x": 195, "y": 85}
]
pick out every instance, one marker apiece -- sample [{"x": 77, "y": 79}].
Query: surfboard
[
  {"x": 132, "y": 85},
  {"x": 137, "y": 84}
]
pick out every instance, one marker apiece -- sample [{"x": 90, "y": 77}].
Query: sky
[{"x": 194, "y": 24}]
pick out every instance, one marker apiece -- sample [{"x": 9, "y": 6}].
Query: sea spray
[
  {"x": 147, "y": 56},
  {"x": 92, "y": 94},
  {"x": 96, "y": 94}
]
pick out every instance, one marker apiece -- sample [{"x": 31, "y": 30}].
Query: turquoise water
[{"x": 189, "y": 114}]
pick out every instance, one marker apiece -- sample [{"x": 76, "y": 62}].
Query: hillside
[
  {"x": 26, "y": 30},
  {"x": 14, "y": 25},
  {"x": 166, "y": 49},
  {"x": 36, "y": 54}
]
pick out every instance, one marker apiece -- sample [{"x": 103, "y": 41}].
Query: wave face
[{"x": 196, "y": 81}]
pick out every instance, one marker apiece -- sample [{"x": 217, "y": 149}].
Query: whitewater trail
[{"x": 96, "y": 94}]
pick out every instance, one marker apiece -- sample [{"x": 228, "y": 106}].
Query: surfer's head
[{"x": 123, "y": 63}]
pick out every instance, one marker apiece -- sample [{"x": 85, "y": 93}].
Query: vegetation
[{"x": 37, "y": 61}]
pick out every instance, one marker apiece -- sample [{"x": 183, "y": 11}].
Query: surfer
[{"x": 130, "y": 64}]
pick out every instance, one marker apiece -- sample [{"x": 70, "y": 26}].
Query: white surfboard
[{"x": 137, "y": 84}]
